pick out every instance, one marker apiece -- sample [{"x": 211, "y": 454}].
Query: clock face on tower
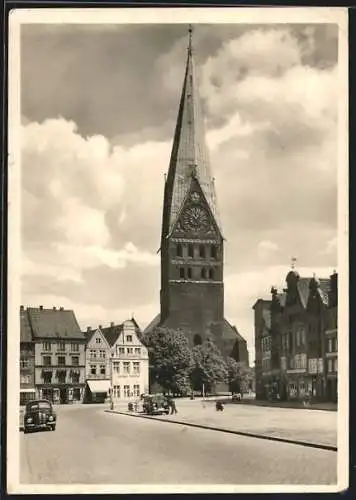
[{"x": 195, "y": 219}]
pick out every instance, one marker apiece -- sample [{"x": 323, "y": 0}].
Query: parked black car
[{"x": 39, "y": 414}]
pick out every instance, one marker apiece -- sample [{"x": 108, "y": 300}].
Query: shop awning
[
  {"x": 27, "y": 390},
  {"x": 99, "y": 385}
]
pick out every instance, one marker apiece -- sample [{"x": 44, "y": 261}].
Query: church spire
[{"x": 189, "y": 157}]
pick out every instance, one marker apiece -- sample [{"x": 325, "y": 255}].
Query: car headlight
[
  {"x": 29, "y": 420},
  {"x": 50, "y": 418}
]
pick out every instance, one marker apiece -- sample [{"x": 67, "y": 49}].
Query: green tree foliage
[
  {"x": 170, "y": 359},
  {"x": 238, "y": 376},
  {"x": 209, "y": 366}
]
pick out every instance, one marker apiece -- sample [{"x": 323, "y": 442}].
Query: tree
[
  {"x": 170, "y": 359},
  {"x": 238, "y": 376},
  {"x": 209, "y": 366}
]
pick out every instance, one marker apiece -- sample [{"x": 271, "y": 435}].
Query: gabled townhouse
[
  {"x": 59, "y": 347},
  {"x": 97, "y": 365},
  {"x": 129, "y": 360},
  {"x": 297, "y": 347}
]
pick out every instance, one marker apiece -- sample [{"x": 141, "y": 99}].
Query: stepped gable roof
[
  {"x": 25, "y": 327},
  {"x": 54, "y": 324},
  {"x": 189, "y": 157}
]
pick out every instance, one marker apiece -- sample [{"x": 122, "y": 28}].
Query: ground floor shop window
[
  {"x": 27, "y": 396},
  {"x": 76, "y": 394}
]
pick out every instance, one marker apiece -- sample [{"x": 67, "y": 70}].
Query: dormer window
[
  {"x": 98, "y": 340},
  {"x": 128, "y": 338}
]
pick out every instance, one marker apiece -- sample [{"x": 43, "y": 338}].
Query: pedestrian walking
[{"x": 173, "y": 407}]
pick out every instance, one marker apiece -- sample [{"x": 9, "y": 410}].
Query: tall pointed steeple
[
  {"x": 192, "y": 245},
  {"x": 189, "y": 157}
]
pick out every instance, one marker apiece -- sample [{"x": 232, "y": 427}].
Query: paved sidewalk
[{"x": 313, "y": 427}]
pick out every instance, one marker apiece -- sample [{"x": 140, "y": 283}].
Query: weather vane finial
[
  {"x": 190, "y": 31},
  {"x": 294, "y": 260}
]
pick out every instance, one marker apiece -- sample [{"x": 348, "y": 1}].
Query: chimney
[
  {"x": 41, "y": 308},
  {"x": 54, "y": 308},
  {"x": 112, "y": 323},
  {"x": 22, "y": 308},
  {"x": 61, "y": 308},
  {"x": 88, "y": 328},
  {"x": 100, "y": 327}
]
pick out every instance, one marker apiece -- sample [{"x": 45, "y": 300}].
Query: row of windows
[
  {"x": 61, "y": 377},
  {"x": 189, "y": 273},
  {"x": 96, "y": 353},
  {"x": 96, "y": 370},
  {"x": 61, "y": 361},
  {"x": 128, "y": 391},
  {"x": 126, "y": 367},
  {"x": 120, "y": 351},
  {"x": 61, "y": 346},
  {"x": 201, "y": 251}
]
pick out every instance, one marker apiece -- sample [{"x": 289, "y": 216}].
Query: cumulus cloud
[{"x": 92, "y": 202}]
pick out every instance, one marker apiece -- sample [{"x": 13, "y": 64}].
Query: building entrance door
[{"x": 62, "y": 395}]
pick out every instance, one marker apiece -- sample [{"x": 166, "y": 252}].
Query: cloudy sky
[{"x": 98, "y": 106}]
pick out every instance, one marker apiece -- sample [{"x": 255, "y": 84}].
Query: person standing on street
[{"x": 173, "y": 407}]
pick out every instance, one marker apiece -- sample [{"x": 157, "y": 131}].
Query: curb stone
[{"x": 230, "y": 431}]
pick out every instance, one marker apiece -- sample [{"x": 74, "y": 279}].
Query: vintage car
[
  {"x": 155, "y": 404},
  {"x": 39, "y": 414}
]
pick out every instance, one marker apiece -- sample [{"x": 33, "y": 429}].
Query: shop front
[
  {"x": 65, "y": 394},
  {"x": 97, "y": 391},
  {"x": 27, "y": 395}
]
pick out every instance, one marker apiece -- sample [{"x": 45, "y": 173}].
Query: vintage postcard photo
[{"x": 178, "y": 250}]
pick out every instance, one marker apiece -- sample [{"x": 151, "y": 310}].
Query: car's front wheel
[
  {"x": 53, "y": 427},
  {"x": 25, "y": 431}
]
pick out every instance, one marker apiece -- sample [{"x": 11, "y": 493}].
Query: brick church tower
[{"x": 192, "y": 243}]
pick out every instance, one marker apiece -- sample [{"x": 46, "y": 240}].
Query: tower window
[
  {"x": 190, "y": 250},
  {"x": 214, "y": 251},
  {"x": 203, "y": 273},
  {"x": 179, "y": 250},
  {"x": 189, "y": 273},
  {"x": 211, "y": 274},
  {"x": 202, "y": 251},
  {"x": 181, "y": 272}
]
